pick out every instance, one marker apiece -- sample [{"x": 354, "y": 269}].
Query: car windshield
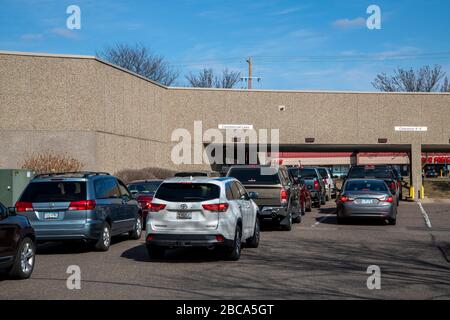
[
  {"x": 188, "y": 192},
  {"x": 370, "y": 172},
  {"x": 323, "y": 173},
  {"x": 54, "y": 192},
  {"x": 191, "y": 174},
  {"x": 365, "y": 186},
  {"x": 144, "y": 187},
  {"x": 262, "y": 175},
  {"x": 307, "y": 173}
]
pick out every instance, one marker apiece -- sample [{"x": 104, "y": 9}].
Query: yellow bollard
[
  {"x": 422, "y": 193},
  {"x": 411, "y": 192}
]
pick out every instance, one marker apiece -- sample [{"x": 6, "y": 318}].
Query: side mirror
[
  {"x": 12, "y": 211},
  {"x": 253, "y": 195}
]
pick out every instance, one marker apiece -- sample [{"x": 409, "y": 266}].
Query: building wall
[{"x": 113, "y": 119}]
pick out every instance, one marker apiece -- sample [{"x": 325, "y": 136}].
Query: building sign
[
  {"x": 411, "y": 129},
  {"x": 236, "y": 126}
]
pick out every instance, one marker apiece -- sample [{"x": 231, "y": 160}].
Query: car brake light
[
  {"x": 220, "y": 207},
  {"x": 24, "y": 206},
  {"x": 316, "y": 185},
  {"x": 155, "y": 207},
  {"x": 388, "y": 199},
  {"x": 145, "y": 201},
  {"x": 283, "y": 196},
  {"x": 344, "y": 199},
  {"x": 220, "y": 238},
  {"x": 82, "y": 205}
]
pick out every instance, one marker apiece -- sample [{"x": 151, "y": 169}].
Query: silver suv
[{"x": 202, "y": 212}]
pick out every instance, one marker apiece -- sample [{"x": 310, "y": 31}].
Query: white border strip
[{"x": 425, "y": 215}]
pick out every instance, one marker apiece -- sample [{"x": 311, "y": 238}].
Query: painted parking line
[
  {"x": 322, "y": 219},
  {"x": 425, "y": 215}
]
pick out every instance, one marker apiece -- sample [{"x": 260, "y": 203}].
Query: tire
[
  {"x": 234, "y": 253},
  {"x": 318, "y": 205},
  {"x": 287, "y": 227},
  {"x": 392, "y": 221},
  {"x": 24, "y": 261},
  {"x": 104, "y": 242},
  {"x": 309, "y": 208},
  {"x": 136, "y": 233},
  {"x": 253, "y": 242},
  {"x": 323, "y": 201},
  {"x": 155, "y": 252}
]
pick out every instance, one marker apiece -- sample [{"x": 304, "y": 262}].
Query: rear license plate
[
  {"x": 184, "y": 215},
  {"x": 51, "y": 215},
  {"x": 366, "y": 201}
]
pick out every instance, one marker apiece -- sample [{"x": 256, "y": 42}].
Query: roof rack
[{"x": 83, "y": 174}]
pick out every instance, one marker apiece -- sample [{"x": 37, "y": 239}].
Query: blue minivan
[{"x": 89, "y": 206}]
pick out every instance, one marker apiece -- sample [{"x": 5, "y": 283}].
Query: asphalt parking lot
[{"x": 318, "y": 259}]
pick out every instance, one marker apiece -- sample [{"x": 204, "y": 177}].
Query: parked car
[
  {"x": 383, "y": 172},
  {"x": 17, "y": 244},
  {"x": 143, "y": 191},
  {"x": 211, "y": 174},
  {"x": 366, "y": 198},
  {"x": 304, "y": 193},
  {"x": 315, "y": 185},
  {"x": 87, "y": 206},
  {"x": 278, "y": 199},
  {"x": 202, "y": 212},
  {"x": 330, "y": 185}
]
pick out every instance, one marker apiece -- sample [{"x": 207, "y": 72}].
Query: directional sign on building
[{"x": 411, "y": 129}]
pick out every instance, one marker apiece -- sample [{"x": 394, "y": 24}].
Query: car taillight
[
  {"x": 283, "y": 196},
  {"x": 316, "y": 185},
  {"x": 388, "y": 199},
  {"x": 145, "y": 201},
  {"x": 220, "y": 207},
  {"x": 346, "y": 199},
  {"x": 155, "y": 207},
  {"x": 24, "y": 206},
  {"x": 82, "y": 205}
]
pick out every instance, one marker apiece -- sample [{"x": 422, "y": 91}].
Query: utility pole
[{"x": 249, "y": 61}]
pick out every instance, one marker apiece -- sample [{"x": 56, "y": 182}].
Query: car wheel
[
  {"x": 323, "y": 201},
  {"x": 234, "y": 253},
  {"x": 298, "y": 219},
  {"x": 318, "y": 205},
  {"x": 24, "y": 261},
  {"x": 136, "y": 233},
  {"x": 253, "y": 242},
  {"x": 287, "y": 227},
  {"x": 392, "y": 221},
  {"x": 155, "y": 252},
  {"x": 104, "y": 242}
]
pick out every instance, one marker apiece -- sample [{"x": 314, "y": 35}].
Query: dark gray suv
[{"x": 88, "y": 206}]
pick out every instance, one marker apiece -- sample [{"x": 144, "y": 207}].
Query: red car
[
  {"x": 143, "y": 191},
  {"x": 304, "y": 193}
]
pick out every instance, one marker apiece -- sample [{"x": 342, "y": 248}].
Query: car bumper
[
  {"x": 89, "y": 230},
  {"x": 269, "y": 212},
  {"x": 349, "y": 211},
  {"x": 184, "y": 240}
]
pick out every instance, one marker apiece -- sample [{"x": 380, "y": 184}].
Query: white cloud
[
  {"x": 350, "y": 23},
  {"x": 32, "y": 37},
  {"x": 65, "y": 33}
]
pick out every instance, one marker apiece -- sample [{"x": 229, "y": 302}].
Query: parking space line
[
  {"x": 321, "y": 220},
  {"x": 425, "y": 215}
]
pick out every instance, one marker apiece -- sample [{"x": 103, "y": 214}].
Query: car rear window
[
  {"x": 307, "y": 173},
  {"x": 323, "y": 173},
  {"x": 188, "y": 192},
  {"x": 54, "y": 192},
  {"x": 262, "y": 175},
  {"x": 366, "y": 186},
  {"x": 146, "y": 187},
  {"x": 370, "y": 172}
]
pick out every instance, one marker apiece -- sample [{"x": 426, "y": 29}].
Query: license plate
[
  {"x": 51, "y": 215},
  {"x": 366, "y": 201},
  {"x": 184, "y": 215}
]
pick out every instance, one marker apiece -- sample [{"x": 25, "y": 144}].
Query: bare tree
[
  {"x": 446, "y": 86},
  {"x": 207, "y": 79},
  {"x": 140, "y": 60},
  {"x": 426, "y": 79}
]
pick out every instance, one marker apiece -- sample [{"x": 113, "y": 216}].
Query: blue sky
[{"x": 318, "y": 45}]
